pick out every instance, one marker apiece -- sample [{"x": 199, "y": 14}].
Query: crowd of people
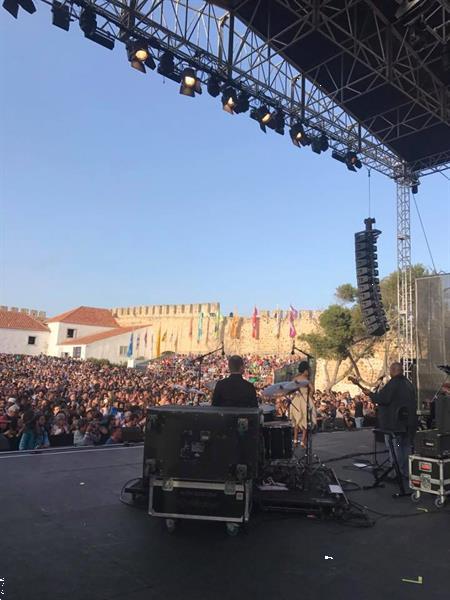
[{"x": 48, "y": 401}]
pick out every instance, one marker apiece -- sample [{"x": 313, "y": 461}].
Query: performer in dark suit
[{"x": 234, "y": 390}]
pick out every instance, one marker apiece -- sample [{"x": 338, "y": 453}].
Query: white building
[
  {"x": 77, "y": 323},
  {"x": 22, "y": 334},
  {"x": 113, "y": 345}
]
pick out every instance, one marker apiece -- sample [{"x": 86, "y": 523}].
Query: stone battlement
[
  {"x": 167, "y": 310},
  {"x": 37, "y": 314}
]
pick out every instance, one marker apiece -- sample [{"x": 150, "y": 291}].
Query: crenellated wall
[{"x": 37, "y": 314}]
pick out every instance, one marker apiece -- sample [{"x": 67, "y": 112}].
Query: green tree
[{"x": 341, "y": 337}]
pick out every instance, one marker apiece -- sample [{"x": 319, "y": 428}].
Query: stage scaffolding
[{"x": 209, "y": 37}]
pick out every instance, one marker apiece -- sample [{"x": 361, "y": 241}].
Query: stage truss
[{"x": 212, "y": 40}]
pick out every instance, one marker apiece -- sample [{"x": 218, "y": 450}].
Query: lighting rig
[{"x": 147, "y": 53}]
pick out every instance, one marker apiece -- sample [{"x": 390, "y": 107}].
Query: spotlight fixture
[
  {"x": 262, "y": 115},
  {"x": 167, "y": 67},
  {"x": 213, "y": 86},
  {"x": 12, "y": 6},
  {"x": 190, "y": 83},
  {"x": 229, "y": 99},
  {"x": 61, "y": 15},
  {"x": 100, "y": 38},
  {"x": 298, "y": 135},
  {"x": 319, "y": 144},
  {"x": 277, "y": 121},
  {"x": 139, "y": 56},
  {"x": 242, "y": 103},
  {"x": 415, "y": 186},
  {"x": 352, "y": 161},
  {"x": 88, "y": 21}
]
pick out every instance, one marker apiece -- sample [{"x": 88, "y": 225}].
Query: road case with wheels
[
  {"x": 175, "y": 499},
  {"x": 430, "y": 475}
]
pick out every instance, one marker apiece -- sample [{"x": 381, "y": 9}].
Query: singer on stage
[{"x": 303, "y": 398}]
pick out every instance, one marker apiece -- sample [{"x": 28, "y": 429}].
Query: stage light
[
  {"x": 298, "y": 135},
  {"x": 262, "y": 115},
  {"x": 12, "y": 6},
  {"x": 139, "y": 55},
  {"x": 88, "y": 21},
  {"x": 190, "y": 84},
  {"x": 338, "y": 156},
  {"x": 213, "y": 86},
  {"x": 61, "y": 15},
  {"x": 415, "y": 186},
  {"x": 316, "y": 145},
  {"x": 324, "y": 144},
  {"x": 352, "y": 161},
  {"x": 242, "y": 103},
  {"x": 166, "y": 66},
  {"x": 100, "y": 38},
  {"x": 277, "y": 121},
  {"x": 229, "y": 99}
]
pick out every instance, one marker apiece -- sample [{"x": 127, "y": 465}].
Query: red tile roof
[
  {"x": 18, "y": 320},
  {"x": 86, "y": 315},
  {"x": 103, "y": 335}
]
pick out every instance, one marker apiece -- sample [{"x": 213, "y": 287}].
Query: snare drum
[{"x": 278, "y": 440}]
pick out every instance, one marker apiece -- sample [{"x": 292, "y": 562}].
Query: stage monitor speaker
[{"x": 369, "y": 293}]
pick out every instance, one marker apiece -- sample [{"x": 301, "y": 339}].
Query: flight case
[{"x": 430, "y": 475}]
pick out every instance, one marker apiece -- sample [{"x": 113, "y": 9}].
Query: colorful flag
[
  {"x": 255, "y": 324},
  {"x": 200, "y": 327},
  {"x": 145, "y": 339},
  {"x": 130, "y": 347},
  {"x": 207, "y": 329},
  {"x": 191, "y": 327},
  {"x": 293, "y": 314},
  {"x": 163, "y": 339},
  {"x": 138, "y": 340}
]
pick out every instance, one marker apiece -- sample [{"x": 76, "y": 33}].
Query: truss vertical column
[{"x": 406, "y": 349}]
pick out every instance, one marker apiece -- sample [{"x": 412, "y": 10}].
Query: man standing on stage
[
  {"x": 396, "y": 412},
  {"x": 234, "y": 390}
]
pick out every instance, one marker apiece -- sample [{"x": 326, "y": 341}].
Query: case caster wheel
[
  {"x": 415, "y": 496},
  {"x": 439, "y": 502},
  {"x": 171, "y": 525},
  {"x": 232, "y": 529}
]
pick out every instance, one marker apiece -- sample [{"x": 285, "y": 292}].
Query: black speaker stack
[{"x": 369, "y": 293}]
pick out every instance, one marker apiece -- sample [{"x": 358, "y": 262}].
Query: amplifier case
[
  {"x": 204, "y": 443},
  {"x": 432, "y": 443},
  {"x": 201, "y": 500},
  {"x": 431, "y": 475}
]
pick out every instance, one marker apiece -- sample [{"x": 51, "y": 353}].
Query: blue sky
[{"x": 116, "y": 190}]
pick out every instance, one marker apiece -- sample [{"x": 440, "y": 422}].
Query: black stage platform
[{"x": 65, "y": 535}]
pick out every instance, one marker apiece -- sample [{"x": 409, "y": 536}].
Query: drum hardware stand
[
  {"x": 201, "y": 358},
  {"x": 380, "y": 473}
]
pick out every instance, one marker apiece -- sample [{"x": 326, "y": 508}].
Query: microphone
[
  {"x": 293, "y": 348},
  {"x": 223, "y": 349}
]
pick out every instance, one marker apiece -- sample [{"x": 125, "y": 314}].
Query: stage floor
[{"x": 65, "y": 535}]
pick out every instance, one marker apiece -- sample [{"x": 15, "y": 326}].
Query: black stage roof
[{"x": 385, "y": 62}]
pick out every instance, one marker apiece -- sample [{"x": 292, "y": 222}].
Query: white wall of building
[
  {"x": 58, "y": 334},
  {"x": 109, "y": 348},
  {"x": 15, "y": 341}
]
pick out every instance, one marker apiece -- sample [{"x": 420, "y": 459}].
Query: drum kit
[{"x": 277, "y": 429}]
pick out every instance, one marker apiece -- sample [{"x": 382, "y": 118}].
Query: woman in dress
[{"x": 299, "y": 406}]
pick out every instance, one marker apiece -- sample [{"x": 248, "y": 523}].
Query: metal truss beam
[
  {"x": 210, "y": 39},
  {"x": 406, "y": 348}
]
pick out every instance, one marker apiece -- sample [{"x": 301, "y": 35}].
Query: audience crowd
[{"x": 47, "y": 401}]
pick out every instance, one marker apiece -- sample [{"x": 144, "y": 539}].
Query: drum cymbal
[{"x": 283, "y": 388}]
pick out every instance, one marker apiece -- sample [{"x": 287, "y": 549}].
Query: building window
[
  {"x": 31, "y": 340},
  {"x": 71, "y": 333},
  {"x": 123, "y": 350},
  {"x": 77, "y": 352}
]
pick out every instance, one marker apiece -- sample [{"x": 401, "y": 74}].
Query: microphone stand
[{"x": 201, "y": 358}]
